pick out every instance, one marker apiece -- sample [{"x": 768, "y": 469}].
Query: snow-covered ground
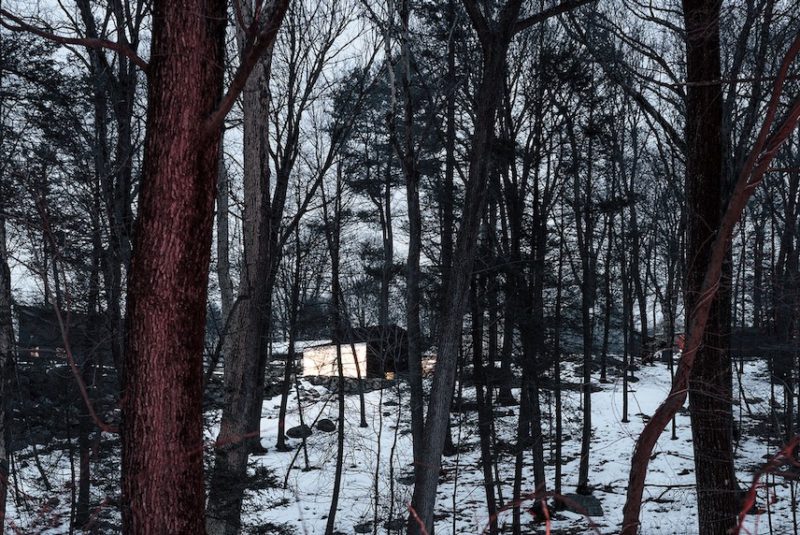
[
  {"x": 383, "y": 449},
  {"x": 377, "y": 467}
]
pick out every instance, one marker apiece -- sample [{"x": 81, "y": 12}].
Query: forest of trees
[{"x": 526, "y": 187}]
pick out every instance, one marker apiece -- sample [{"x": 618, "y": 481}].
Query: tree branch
[
  {"x": 574, "y": 31},
  {"x": 21, "y": 26},
  {"x": 261, "y": 41},
  {"x": 478, "y": 22},
  {"x": 538, "y": 18}
]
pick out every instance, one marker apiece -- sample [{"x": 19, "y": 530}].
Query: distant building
[
  {"x": 366, "y": 352},
  {"x": 40, "y": 334}
]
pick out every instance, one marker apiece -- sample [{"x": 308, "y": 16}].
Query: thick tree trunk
[
  {"x": 710, "y": 384},
  {"x": 162, "y": 448},
  {"x": 239, "y": 428}
]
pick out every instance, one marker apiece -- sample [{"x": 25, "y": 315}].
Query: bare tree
[
  {"x": 495, "y": 35},
  {"x": 6, "y": 336},
  {"x": 6, "y": 356},
  {"x": 772, "y": 134},
  {"x": 246, "y": 343}
]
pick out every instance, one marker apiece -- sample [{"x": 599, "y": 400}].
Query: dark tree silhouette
[{"x": 771, "y": 137}]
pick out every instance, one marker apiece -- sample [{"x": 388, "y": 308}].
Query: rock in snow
[
  {"x": 300, "y": 431},
  {"x": 326, "y": 425}
]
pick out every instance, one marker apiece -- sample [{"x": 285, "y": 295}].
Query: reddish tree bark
[
  {"x": 163, "y": 488},
  {"x": 162, "y": 401}
]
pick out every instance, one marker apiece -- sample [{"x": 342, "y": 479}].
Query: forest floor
[
  {"x": 382, "y": 452},
  {"x": 377, "y": 470}
]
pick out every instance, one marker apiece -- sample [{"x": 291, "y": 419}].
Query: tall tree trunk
[
  {"x": 635, "y": 240},
  {"x": 523, "y": 439},
  {"x": 333, "y": 228},
  {"x": 118, "y": 203},
  {"x": 388, "y": 245},
  {"x": 294, "y": 308},
  {"x": 6, "y": 335},
  {"x": 162, "y": 434},
  {"x": 532, "y": 333},
  {"x": 758, "y": 273},
  {"x": 447, "y": 195},
  {"x": 489, "y": 93},
  {"x": 239, "y": 432},
  {"x": 557, "y": 364},
  {"x": 585, "y": 234},
  {"x": 223, "y": 238},
  {"x": 483, "y": 393},
  {"x": 88, "y": 360},
  {"x": 627, "y": 329},
  {"x": 6, "y": 356},
  {"x": 608, "y": 309},
  {"x": 408, "y": 160},
  {"x": 710, "y": 384},
  {"x": 670, "y": 311},
  {"x": 446, "y": 190}
]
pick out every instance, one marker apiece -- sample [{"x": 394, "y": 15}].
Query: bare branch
[
  {"x": 574, "y": 31},
  {"x": 21, "y": 26},
  {"x": 538, "y": 18},
  {"x": 262, "y": 40},
  {"x": 478, "y": 21}
]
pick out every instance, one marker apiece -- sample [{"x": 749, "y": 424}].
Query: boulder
[
  {"x": 583, "y": 504},
  {"x": 364, "y": 527},
  {"x": 326, "y": 425},
  {"x": 300, "y": 431},
  {"x": 406, "y": 480},
  {"x": 395, "y": 524}
]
